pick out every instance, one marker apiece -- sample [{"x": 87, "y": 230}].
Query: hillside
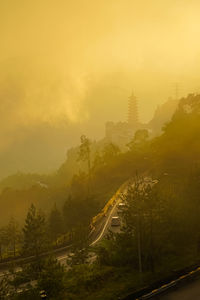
[
  {"x": 162, "y": 115},
  {"x": 168, "y": 214},
  {"x": 159, "y": 155}
]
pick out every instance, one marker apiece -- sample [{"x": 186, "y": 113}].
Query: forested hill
[
  {"x": 176, "y": 151},
  {"x": 163, "y": 115},
  {"x": 168, "y": 211},
  {"x": 71, "y": 166}
]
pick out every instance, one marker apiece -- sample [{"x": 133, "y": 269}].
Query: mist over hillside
[
  {"x": 20, "y": 190},
  {"x": 36, "y": 145},
  {"x": 99, "y": 149},
  {"x": 43, "y": 148}
]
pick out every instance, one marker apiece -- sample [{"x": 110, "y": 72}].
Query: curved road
[
  {"x": 106, "y": 227},
  {"x": 62, "y": 257}
]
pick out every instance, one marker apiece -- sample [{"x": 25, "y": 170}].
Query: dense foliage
[{"x": 161, "y": 228}]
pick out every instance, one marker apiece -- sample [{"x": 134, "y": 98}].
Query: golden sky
[{"x": 71, "y": 65}]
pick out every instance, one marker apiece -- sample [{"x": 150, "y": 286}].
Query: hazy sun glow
[{"x": 72, "y": 64}]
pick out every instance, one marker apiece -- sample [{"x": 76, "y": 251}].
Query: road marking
[
  {"x": 102, "y": 232},
  {"x": 62, "y": 257},
  {"x": 104, "y": 228}
]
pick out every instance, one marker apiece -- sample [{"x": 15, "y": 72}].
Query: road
[
  {"x": 113, "y": 211},
  {"x": 106, "y": 227},
  {"x": 189, "y": 291}
]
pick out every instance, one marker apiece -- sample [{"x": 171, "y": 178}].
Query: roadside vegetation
[{"x": 160, "y": 230}]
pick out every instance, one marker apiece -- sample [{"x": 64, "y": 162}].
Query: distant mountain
[{"x": 163, "y": 115}]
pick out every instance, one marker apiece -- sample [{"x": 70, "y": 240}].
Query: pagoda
[{"x": 133, "y": 120}]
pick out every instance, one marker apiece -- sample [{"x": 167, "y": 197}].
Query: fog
[{"x": 67, "y": 67}]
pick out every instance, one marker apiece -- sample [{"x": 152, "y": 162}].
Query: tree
[
  {"x": 78, "y": 257},
  {"x": 77, "y": 213},
  {"x": 80, "y": 249},
  {"x": 110, "y": 151},
  {"x": 98, "y": 161},
  {"x": 35, "y": 236},
  {"x": 140, "y": 138},
  {"x": 70, "y": 217},
  {"x": 13, "y": 234},
  {"x": 55, "y": 223},
  {"x": 141, "y": 135},
  {"x": 85, "y": 155},
  {"x": 3, "y": 240},
  {"x": 145, "y": 219},
  {"x": 6, "y": 289},
  {"x": 85, "y": 152},
  {"x": 52, "y": 279},
  {"x": 132, "y": 211},
  {"x": 140, "y": 216}
]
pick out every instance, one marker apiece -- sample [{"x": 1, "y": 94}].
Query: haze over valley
[
  {"x": 62, "y": 76},
  {"x": 99, "y": 149}
]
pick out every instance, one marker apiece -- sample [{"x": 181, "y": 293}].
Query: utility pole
[
  {"x": 138, "y": 185},
  {"x": 139, "y": 246}
]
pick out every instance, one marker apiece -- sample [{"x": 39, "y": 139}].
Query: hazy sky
[{"x": 66, "y": 67}]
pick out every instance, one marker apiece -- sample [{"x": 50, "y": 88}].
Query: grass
[{"x": 91, "y": 282}]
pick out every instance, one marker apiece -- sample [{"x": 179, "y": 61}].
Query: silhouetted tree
[
  {"x": 98, "y": 161},
  {"x": 6, "y": 289},
  {"x": 55, "y": 223},
  {"x": 85, "y": 155},
  {"x": 140, "y": 137},
  {"x": 110, "y": 151},
  {"x": 52, "y": 279},
  {"x": 3, "y": 240},
  {"x": 85, "y": 152},
  {"x": 35, "y": 235},
  {"x": 13, "y": 234}
]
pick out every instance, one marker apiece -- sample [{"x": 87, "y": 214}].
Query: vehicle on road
[
  {"x": 121, "y": 205},
  {"x": 115, "y": 221}
]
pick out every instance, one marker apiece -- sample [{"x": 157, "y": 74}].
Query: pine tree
[
  {"x": 85, "y": 151},
  {"x": 110, "y": 151},
  {"x": 55, "y": 223},
  {"x": 35, "y": 236},
  {"x": 85, "y": 156},
  {"x": 52, "y": 279}
]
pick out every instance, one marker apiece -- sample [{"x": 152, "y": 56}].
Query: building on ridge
[
  {"x": 121, "y": 133},
  {"x": 133, "y": 120}
]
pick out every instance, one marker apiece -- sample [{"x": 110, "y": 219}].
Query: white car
[{"x": 120, "y": 205}]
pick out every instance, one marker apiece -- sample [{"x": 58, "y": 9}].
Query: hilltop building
[
  {"x": 122, "y": 132},
  {"x": 133, "y": 119}
]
